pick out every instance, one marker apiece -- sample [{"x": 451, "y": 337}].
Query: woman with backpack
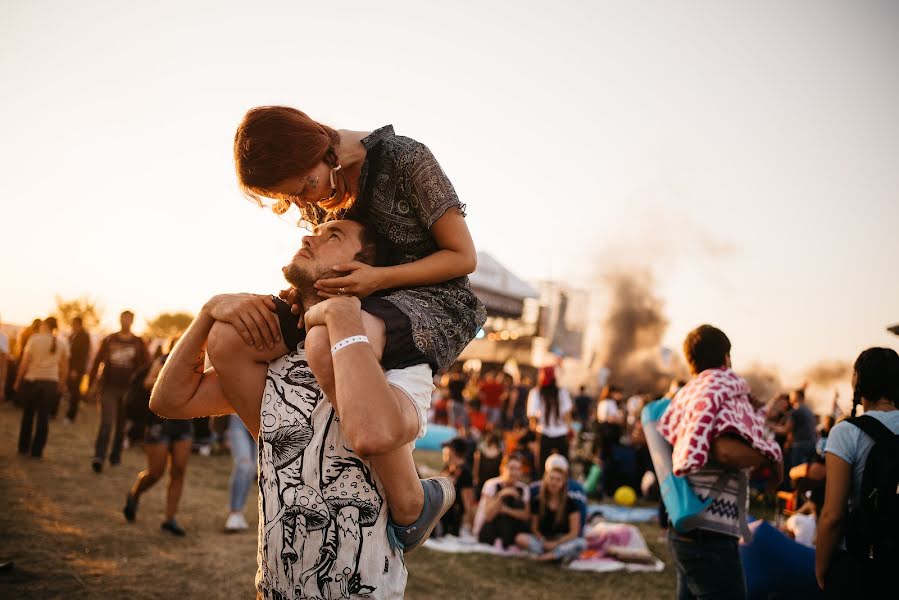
[{"x": 858, "y": 531}]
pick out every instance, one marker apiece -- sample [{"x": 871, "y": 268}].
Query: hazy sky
[{"x": 747, "y": 152}]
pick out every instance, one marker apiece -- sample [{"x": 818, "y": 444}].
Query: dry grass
[{"x": 63, "y": 527}]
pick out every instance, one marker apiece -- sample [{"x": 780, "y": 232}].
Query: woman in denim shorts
[{"x": 163, "y": 438}]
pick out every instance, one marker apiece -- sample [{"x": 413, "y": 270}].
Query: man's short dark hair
[
  {"x": 706, "y": 347},
  {"x": 127, "y": 312},
  {"x": 458, "y": 446},
  {"x": 374, "y": 250}
]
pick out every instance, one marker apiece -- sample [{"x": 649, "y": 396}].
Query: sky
[{"x": 746, "y": 153}]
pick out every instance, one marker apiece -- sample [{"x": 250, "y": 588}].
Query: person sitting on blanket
[
  {"x": 716, "y": 434},
  {"x": 576, "y": 491},
  {"x": 555, "y": 519},
  {"x": 503, "y": 510}
]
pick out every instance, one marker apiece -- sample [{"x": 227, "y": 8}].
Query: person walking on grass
[
  {"x": 121, "y": 355},
  {"x": 79, "y": 350},
  {"x": 41, "y": 378},
  {"x": 167, "y": 442}
]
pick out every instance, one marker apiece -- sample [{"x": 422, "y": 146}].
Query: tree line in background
[{"x": 163, "y": 326}]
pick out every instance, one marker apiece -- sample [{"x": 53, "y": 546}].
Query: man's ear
[{"x": 727, "y": 360}]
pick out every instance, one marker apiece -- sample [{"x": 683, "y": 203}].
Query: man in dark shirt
[
  {"x": 582, "y": 406},
  {"x": 79, "y": 350},
  {"x": 121, "y": 354},
  {"x": 804, "y": 426}
]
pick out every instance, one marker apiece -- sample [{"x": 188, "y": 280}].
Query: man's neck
[{"x": 308, "y": 297}]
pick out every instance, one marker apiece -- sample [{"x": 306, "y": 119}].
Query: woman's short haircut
[{"x": 706, "y": 347}]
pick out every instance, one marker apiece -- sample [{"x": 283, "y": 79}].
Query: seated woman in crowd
[
  {"x": 503, "y": 510},
  {"x": 555, "y": 521}
]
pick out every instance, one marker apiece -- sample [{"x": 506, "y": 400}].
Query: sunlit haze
[{"x": 748, "y": 153}]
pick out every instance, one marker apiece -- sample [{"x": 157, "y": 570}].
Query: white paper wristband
[{"x": 353, "y": 339}]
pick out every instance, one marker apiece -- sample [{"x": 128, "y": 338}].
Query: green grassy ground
[{"x": 62, "y": 525}]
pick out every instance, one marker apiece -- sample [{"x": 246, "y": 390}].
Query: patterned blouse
[{"x": 403, "y": 191}]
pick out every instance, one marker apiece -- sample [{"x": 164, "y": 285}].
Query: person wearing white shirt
[
  {"x": 549, "y": 411},
  {"x": 41, "y": 378}
]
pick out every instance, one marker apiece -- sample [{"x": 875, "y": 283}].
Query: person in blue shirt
[{"x": 876, "y": 387}]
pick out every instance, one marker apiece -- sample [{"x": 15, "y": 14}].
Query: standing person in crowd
[
  {"x": 503, "y": 509},
  {"x": 549, "y": 408},
  {"x": 856, "y": 549},
  {"x": 21, "y": 341},
  {"x": 803, "y": 429},
  {"x": 632, "y": 407},
  {"x": 460, "y": 516},
  {"x": 166, "y": 442},
  {"x": 778, "y": 419},
  {"x": 121, "y": 354},
  {"x": 243, "y": 472},
  {"x": 455, "y": 388},
  {"x": 582, "y": 406},
  {"x": 556, "y": 521},
  {"x": 714, "y": 457},
  {"x": 79, "y": 350},
  {"x": 515, "y": 410},
  {"x": 41, "y": 379},
  {"x": 491, "y": 391},
  {"x": 4, "y": 362}
]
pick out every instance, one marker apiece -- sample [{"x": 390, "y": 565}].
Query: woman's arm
[
  {"x": 23, "y": 367},
  {"x": 574, "y": 531},
  {"x": 153, "y": 374},
  {"x": 520, "y": 514},
  {"x": 535, "y": 527},
  {"x": 455, "y": 257},
  {"x": 830, "y": 523}
]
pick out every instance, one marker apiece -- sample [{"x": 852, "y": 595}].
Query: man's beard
[{"x": 304, "y": 278}]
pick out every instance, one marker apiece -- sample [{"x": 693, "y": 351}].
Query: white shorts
[{"x": 417, "y": 383}]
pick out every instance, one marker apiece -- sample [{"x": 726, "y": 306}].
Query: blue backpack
[{"x": 683, "y": 505}]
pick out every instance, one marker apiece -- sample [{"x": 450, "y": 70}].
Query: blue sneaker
[{"x": 440, "y": 494}]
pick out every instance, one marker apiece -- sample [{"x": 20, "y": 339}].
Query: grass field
[{"x": 62, "y": 525}]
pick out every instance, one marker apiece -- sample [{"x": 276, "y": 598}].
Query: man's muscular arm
[
  {"x": 183, "y": 389},
  {"x": 237, "y": 379},
  {"x": 375, "y": 417}
]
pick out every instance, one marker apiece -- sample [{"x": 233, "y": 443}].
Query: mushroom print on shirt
[{"x": 323, "y": 520}]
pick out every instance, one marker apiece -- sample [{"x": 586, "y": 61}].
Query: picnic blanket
[
  {"x": 607, "y": 543},
  {"x": 713, "y": 403},
  {"x": 623, "y": 514}
]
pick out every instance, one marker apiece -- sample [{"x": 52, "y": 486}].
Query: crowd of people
[
  {"x": 779, "y": 454},
  {"x": 43, "y": 371},
  {"x": 379, "y": 302},
  {"x": 510, "y": 433}
]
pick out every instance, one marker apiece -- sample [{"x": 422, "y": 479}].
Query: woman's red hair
[{"x": 274, "y": 143}]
